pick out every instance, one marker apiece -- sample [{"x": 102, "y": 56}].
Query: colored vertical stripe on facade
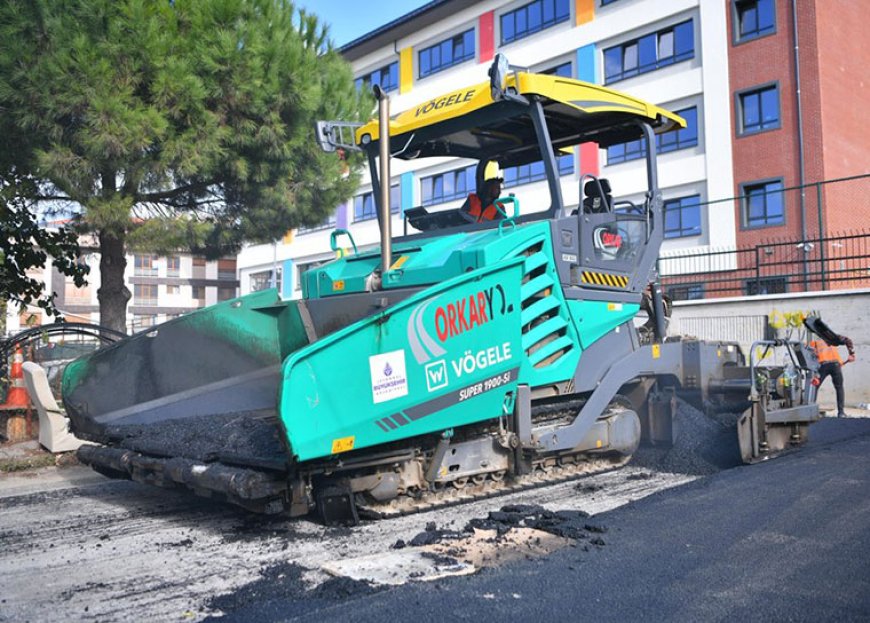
[
  {"x": 584, "y": 11},
  {"x": 587, "y": 71},
  {"x": 406, "y": 69},
  {"x": 589, "y": 158},
  {"x": 287, "y": 277},
  {"x": 406, "y": 183},
  {"x": 341, "y": 219},
  {"x": 487, "y": 36}
]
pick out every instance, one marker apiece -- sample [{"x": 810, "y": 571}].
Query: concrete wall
[{"x": 742, "y": 318}]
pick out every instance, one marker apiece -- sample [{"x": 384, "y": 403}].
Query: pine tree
[{"x": 172, "y": 125}]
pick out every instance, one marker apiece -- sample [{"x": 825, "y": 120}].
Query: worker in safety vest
[
  {"x": 831, "y": 365},
  {"x": 482, "y": 208}
]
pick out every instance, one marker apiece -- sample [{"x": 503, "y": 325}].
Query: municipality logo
[{"x": 436, "y": 375}]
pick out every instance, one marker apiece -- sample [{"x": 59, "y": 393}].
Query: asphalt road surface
[{"x": 785, "y": 540}]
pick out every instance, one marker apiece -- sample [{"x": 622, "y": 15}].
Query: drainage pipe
[{"x": 800, "y": 138}]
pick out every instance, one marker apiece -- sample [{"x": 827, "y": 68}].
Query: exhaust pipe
[{"x": 385, "y": 217}]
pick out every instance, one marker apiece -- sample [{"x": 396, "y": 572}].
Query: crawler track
[{"x": 545, "y": 472}]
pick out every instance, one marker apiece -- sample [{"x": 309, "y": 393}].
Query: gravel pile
[
  {"x": 705, "y": 444},
  {"x": 574, "y": 525}
]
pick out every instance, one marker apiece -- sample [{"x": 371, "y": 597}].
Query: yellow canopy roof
[{"x": 467, "y": 122}]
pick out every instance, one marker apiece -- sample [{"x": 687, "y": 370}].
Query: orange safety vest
[
  {"x": 476, "y": 209},
  {"x": 825, "y": 352}
]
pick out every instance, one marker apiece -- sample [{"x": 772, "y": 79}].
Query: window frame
[
  {"x": 738, "y": 107},
  {"x": 530, "y": 32},
  {"x": 360, "y": 80},
  {"x": 640, "y": 152},
  {"x": 675, "y": 57},
  {"x": 140, "y": 299},
  {"x": 461, "y": 33},
  {"x": 469, "y": 170},
  {"x": 680, "y": 233},
  {"x": 669, "y": 290},
  {"x": 744, "y": 203},
  {"x": 748, "y": 284},
  {"x": 144, "y": 265},
  {"x": 330, "y": 223},
  {"x": 736, "y": 38},
  {"x": 394, "y": 209}
]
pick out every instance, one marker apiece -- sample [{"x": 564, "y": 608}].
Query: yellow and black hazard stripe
[{"x": 604, "y": 279}]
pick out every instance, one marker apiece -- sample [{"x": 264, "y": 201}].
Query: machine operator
[{"x": 482, "y": 208}]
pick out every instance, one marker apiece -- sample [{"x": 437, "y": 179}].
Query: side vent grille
[{"x": 544, "y": 321}]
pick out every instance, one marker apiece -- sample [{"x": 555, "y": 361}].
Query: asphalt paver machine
[{"x": 461, "y": 359}]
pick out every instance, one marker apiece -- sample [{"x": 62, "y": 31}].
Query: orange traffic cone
[{"x": 17, "y": 394}]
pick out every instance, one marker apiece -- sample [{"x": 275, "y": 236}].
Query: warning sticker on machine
[{"x": 389, "y": 379}]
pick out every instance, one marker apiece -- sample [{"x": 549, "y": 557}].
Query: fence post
[
  {"x": 822, "y": 260},
  {"x": 757, "y": 270}
]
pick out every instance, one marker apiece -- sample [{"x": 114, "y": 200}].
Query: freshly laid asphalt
[{"x": 786, "y": 540}]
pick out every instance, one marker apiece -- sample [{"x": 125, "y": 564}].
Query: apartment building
[
  {"x": 727, "y": 66},
  {"x": 161, "y": 287}
]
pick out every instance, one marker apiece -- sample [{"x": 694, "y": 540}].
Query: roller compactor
[{"x": 459, "y": 360}]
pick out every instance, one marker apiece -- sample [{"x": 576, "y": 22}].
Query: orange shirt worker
[{"x": 831, "y": 364}]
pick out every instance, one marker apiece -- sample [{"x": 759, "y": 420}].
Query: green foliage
[
  {"x": 175, "y": 125},
  {"x": 25, "y": 245}
]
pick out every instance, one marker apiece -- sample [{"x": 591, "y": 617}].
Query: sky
[{"x": 350, "y": 19}]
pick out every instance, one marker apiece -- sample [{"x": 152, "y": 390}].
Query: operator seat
[{"x": 596, "y": 202}]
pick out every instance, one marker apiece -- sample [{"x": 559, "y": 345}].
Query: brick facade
[{"x": 836, "y": 139}]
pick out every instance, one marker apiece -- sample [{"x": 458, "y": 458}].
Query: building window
[
  {"x": 766, "y": 285},
  {"x": 260, "y": 281},
  {"x": 564, "y": 70},
  {"x": 683, "y": 138},
  {"x": 225, "y": 294},
  {"x": 143, "y": 265},
  {"x": 387, "y": 77},
  {"x": 533, "y": 17},
  {"x": 197, "y": 293},
  {"x": 173, "y": 266},
  {"x": 683, "y": 217},
  {"x": 606, "y": 2},
  {"x": 173, "y": 289},
  {"x": 670, "y": 141},
  {"x": 227, "y": 269},
  {"x": 753, "y": 19},
  {"x": 145, "y": 294},
  {"x": 329, "y": 223},
  {"x": 447, "y": 53},
  {"x": 364, "y": 208},
  {"x": 534, "y": 171},
  {"x": 651, "y": 52},
  {"x": 758, "y": 110},
  {"x": 686, "y": 292},
  {"x": 763, "y": 204},
  {"x": 446, "y": 186}
]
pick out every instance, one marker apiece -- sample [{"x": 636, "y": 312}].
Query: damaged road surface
[
  {"x": 785, "y": 539},
  {"x": 83, "y": 547}
]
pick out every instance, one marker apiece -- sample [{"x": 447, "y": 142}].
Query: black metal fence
[{"x": 821, "y": 260}]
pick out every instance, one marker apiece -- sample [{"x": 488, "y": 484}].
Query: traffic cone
[{"x": 17, "y": 394}]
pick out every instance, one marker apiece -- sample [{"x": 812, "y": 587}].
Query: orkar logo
[{"x": 469, "y": 312}]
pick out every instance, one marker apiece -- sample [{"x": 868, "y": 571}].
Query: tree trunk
[{"x": 113, "y": 294}]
